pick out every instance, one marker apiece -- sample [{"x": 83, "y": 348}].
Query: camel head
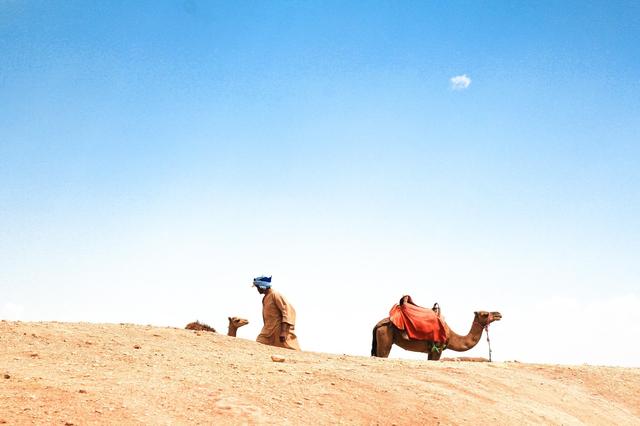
[
  {"x": 485, "y": 318},
  {"x": 237, "y": 322}
]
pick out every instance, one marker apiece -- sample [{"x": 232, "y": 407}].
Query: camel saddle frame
[{"x": 418, "y": 323}]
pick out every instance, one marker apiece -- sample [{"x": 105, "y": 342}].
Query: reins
[{"x": 486, "y": 328}]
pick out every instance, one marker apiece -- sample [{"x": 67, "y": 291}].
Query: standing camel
[{"x": 385, "y": 334}]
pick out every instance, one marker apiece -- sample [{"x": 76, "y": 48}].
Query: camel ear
[
  {"x": 229, "y": 318},
  {"x": 475, "y": 313}
]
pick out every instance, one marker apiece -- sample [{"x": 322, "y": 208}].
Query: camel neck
[
  {"x": 232, "y": 331},
  {"x": 464, "y": 343}
]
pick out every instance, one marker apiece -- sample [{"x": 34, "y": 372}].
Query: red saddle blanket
[{"x": 419, "y": 323}]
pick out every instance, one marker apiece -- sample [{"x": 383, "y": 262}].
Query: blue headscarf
[{"x": 262, "y": 282}]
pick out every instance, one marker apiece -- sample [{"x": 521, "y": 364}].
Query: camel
[
  {"x": 385, "y": 334},
  {"x": 234, "y": 324}
]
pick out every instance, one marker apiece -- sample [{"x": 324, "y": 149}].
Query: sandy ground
[{"x": 81, "y": 374}]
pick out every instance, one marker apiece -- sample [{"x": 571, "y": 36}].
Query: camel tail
[{"x": 374, "y": 343}]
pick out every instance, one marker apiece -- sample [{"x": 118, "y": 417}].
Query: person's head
[{"x": 263, "y": 284}]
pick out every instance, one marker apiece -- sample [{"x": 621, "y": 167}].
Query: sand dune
[{"x": 81, "y": 373}]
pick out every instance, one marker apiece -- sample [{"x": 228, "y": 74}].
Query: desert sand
[{"x": 83, "y": 374}]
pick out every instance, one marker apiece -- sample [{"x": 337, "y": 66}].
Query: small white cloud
[{"x": 460, "y": 82}]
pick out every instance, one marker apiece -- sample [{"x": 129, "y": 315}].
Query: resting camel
[
  {"x": 385, "y": 334},
  {"x": 234, "y": 324}
]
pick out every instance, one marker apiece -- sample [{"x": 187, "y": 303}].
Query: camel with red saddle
[{"x": 418, "y": 329}]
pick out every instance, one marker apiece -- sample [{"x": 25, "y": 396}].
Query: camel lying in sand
[
  {"x": 234, "y": 324},
  {"x": 385, "y": 334}
]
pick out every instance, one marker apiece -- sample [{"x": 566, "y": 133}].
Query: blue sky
[{"x": 155, "y": 156}]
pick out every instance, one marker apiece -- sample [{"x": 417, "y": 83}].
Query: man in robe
[{"x": 278, "y": 315}]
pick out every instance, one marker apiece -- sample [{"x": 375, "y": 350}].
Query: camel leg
[
  {"x": 384, "y": 340},
  {"x": 434, "y": 356}
]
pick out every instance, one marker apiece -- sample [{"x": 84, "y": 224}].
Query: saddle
[{"x": 418, "y": 323}]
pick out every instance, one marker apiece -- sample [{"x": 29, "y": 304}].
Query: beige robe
[{"x": 276, "y": 310}]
